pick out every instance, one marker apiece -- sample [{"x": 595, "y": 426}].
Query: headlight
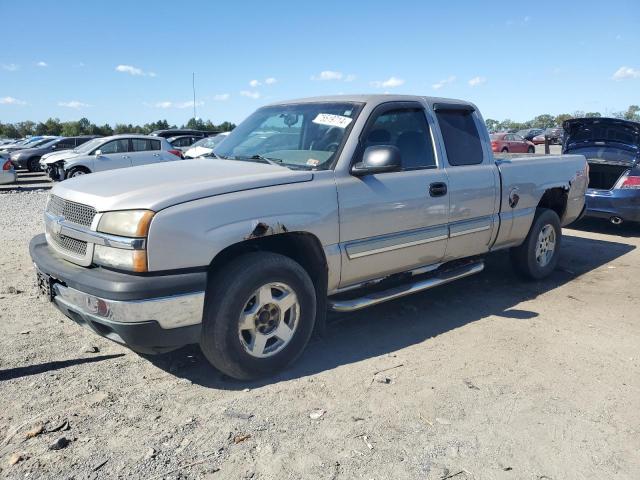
[
  {"x": 133, "y": 260},
  {"x": 126, "y": 223}
]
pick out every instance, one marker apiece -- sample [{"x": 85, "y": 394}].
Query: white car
[
  {"x": 109, "y": 153},
  {"x": 205, "y": 146}
]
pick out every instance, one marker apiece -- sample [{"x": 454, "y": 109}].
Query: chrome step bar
[{"x": 374, "y": 298}]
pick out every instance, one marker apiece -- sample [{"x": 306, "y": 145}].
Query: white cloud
[
  {"x": 250, "y": 94},
  {"x": 168, "y": 104},
  {"x": 11, "y": 101},
  {"x": 74, "y": 104},
  {"x": 475, "y": 81},
  {"x": 626, "y": 72},
  {"x": 135, "y": 71},
  {"x": 390, "y": 82},
  {"x": 442, "y": 83},
  {"x": 221, "y": 97},
  {"x": 11, "y": 67},
  {"x": 254, "y": 83},
  {"x": 42, "y": 64},
  {"x": 328, "y": 75},
  {"x": 270, "y": 81},
  {"x": 350, "y": 78}
]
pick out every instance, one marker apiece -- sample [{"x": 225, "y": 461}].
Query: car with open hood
[{"x": 612, "y": 149}]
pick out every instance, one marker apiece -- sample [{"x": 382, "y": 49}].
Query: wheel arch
[
  {"x": 302, "y": 247},
  {"x": 555, "y": 199}
]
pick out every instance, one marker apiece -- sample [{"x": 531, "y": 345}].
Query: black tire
[
  {"x": 227, "y": 294},
  {"x": 33, "y": 164},
  {"x": 76, "y": 172},
  {"x": 524, "y": 257},
  {"x": 505, "y": 150},
  {"x": 531, "y": 150}
]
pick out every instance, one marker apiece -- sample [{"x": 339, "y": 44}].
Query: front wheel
[
  {"x": 77, "y": 172},
  {"x": 538, "y": 255},
  {"x": 505, "y": 150},
  {"x": 259, "y": 315},
  {"x": 33, "y": 165}
]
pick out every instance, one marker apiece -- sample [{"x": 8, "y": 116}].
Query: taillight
[
  {"x": 177, "y": 153},
  {"x": 494, "y": 145},
  {"x": 630, "y": 182},
  {"x": 6, "y": 166}
]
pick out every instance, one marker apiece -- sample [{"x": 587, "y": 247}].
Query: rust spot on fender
[{"x": 263, "y": 229}]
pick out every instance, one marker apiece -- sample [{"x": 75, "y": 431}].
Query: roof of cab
[{"x": 374, "y": 98}]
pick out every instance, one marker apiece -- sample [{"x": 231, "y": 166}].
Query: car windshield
[
  {"x": 88, "y": 146},
  {"x": 299, "y": 136},
  {"x": 42, "y": 142},
  {"x": 209, "y": 142}
]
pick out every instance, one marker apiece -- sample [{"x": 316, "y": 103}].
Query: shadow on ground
[
  {"x": 395, "y": 325},
  {"x": 11, "y": 373},
  {"x": 598, "y": 225}
]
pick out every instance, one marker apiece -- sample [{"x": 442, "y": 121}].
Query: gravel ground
[{"x": 486, "y": 378}]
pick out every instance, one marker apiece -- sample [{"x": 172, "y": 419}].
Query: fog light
[{"x": 97, "y": 306}]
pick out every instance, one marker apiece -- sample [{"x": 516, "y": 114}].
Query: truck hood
[{"x": 162, "y": 185}]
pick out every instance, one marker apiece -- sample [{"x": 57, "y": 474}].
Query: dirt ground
[{"x": 486, "y": 378}]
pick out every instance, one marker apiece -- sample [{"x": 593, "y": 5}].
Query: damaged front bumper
[{"x": 147, "y": 313}]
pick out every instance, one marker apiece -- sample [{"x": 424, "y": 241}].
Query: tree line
[
  {"x": 53, "y": 126},
  {"x": 549, "y": 121}
]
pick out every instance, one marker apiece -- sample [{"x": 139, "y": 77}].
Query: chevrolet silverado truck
[{"x": 331, "y": 203}]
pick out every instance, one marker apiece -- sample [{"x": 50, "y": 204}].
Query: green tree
[
  {"x": 632, "y": 113},
  {"x": 559, "y": 120},
  {"x": 593, "y": 114},
  {"x": 544, "y": 121},
  {"x": 492, "y": 125}
]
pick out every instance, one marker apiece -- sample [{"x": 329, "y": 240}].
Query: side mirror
[
  {"x": 53, "y": 147},
  {"x": 378, "y": 159},
  {"x": 98, "y": 152}
]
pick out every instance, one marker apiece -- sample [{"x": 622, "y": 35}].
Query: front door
[
  {"x": 114, "y": 154},
  {"x": 396, "y": 221}
]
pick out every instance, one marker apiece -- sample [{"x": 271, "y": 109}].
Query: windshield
[
  {"x": 86, "y": 147},
  {"x": 209, "y": 142},
  {"x": 305, "y": 135},
  {"x": 42, "y": 142}
]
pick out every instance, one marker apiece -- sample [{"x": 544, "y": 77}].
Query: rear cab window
[{"x": 460, "y": 133}]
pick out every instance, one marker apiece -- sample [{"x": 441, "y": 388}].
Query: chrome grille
[
  {"x": 71, "y": 245},
  {"x": 71, "y": 211}
]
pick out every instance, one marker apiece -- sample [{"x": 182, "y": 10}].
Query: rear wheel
[
  {"x": 33, "y": 164},
  {"x": 76, "y": 172},
  {"x": 505, "y": 150},
  {"x": 259, "y": 315},
  {"x": 538, "y": 255}
]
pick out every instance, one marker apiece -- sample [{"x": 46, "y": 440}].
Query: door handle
[
  {"x": 438, "y": 189},
  {"x": 156, "y": 154},
  {"x": 126, "y": 156}
]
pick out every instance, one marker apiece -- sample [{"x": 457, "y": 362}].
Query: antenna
[{"x": 193, "y": 85}]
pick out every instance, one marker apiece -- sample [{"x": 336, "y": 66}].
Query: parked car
[
  {"x": 529, "y": 133},
  {"x": 174, "y": 132},
  {"x": 511, "y": 143},
  {"x": 612, "y": 148},
  {"x": 182, "y": 142},
  {"x": 554, "y": 134},
  {"x": 205, "y": 146},
  {"x": 109, "y": 153},
  {"x": 26, "y": 143},
  {"x": 245, "y": 253},
  {"x": 8, "y": 173},
  {"x": 29, "y": 158}
]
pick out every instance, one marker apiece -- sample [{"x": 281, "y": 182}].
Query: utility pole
[{"x": 193, "y": 85}]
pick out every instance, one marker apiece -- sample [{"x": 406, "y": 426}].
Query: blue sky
[{"x": 131, "y": 62}]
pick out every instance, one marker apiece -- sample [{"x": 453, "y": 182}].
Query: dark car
[
  {"x": 174, "y": 132},
  {"x": 29, "y": 158},
  {"x": 529, "y": 133},
  {"x": 612, "y": 149},
  {"x": 553, "y": 134}
]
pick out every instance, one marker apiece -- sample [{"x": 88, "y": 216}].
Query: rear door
[
  {"x": 114, "y": 154},
  {"x": 395, "y": 221},
  {"x": 474, "y": 186},
  {"x": 145, "y": 151}
]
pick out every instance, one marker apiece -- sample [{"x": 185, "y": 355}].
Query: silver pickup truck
[{"x": 331, "y": 203}]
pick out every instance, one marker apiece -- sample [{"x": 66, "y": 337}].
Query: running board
[{"x": 375, "y": 298}]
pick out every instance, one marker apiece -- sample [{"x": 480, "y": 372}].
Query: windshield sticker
[
  {"x": 312, "y": 162},
  {"x": 332, "y": 120}
]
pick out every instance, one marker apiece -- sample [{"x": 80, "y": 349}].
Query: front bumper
[
  {"x": 623, "y": 203},
  {"x": 146, "y": 312}
]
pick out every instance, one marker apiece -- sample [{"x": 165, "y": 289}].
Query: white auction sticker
[{"x": 332, "y": 120}]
